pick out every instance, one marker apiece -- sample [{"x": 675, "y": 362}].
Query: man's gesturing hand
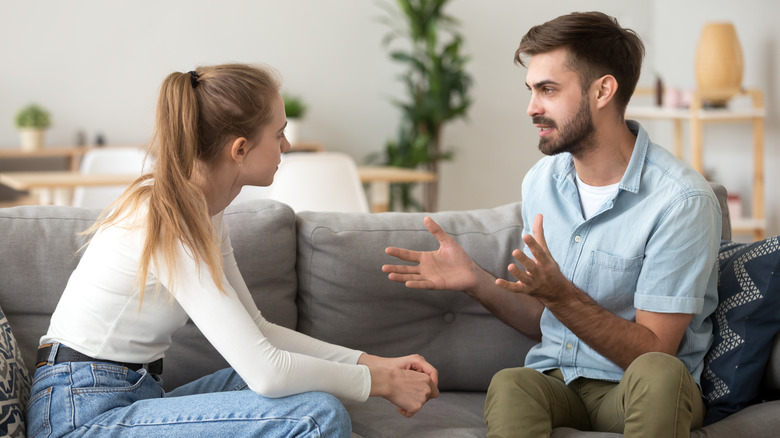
[
  {"x": 449, "y": 267},
  {"x": 542, "y": 278}
]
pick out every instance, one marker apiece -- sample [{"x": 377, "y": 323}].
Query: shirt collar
[
  {"x": 633, "y": 174},
  {"x": 631, "y": 177}
]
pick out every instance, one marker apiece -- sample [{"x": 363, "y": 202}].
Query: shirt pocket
[{"x": 612, "y": 279}]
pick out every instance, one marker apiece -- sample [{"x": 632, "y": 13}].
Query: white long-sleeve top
[{"x": 99, "y": 315}]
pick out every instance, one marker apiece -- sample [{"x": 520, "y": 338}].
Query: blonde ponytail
[{"x": 198, "y": 113}]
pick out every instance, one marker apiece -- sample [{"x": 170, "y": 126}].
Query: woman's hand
[
  {"x": 449, "y": 267},
  {"x": 408, "y": 382}
]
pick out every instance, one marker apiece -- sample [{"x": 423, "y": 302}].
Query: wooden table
[
  {"x": 72, "y": 154},
  {"x": 54, "y": 187},
  {"x": 379, "y": 179}
]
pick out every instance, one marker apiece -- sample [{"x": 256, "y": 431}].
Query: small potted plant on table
[
  {"x": 295, "y": 109},
  {"x": 32, "y": 121}
]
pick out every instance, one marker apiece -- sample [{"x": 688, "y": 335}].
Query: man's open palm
[{"x": 449, "y": 267}]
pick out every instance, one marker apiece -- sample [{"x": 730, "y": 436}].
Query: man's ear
[
  {"x": 238, "y": 150},
  {"x": 606, "y": 88}
]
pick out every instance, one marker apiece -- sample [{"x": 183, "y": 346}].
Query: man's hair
[{"x": 596, "y": 46}]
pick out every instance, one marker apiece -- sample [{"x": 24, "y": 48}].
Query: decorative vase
[
  {"x": 31, "y": 139},
  {"x": 719, "y": 64}
]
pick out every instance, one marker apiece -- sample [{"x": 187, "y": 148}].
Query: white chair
[
  {"x": 319, "y": 181},
  {"x": 108, "y": 160},
  {"x": 249, "y": 193}
]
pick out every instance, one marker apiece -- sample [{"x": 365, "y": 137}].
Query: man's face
[{"x": 558, "y": 106}]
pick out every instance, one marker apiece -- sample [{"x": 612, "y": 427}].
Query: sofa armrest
[{"x": 722, "y": 195}]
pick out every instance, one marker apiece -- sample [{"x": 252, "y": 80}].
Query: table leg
[
  {"x": 678, "y": 139},
  {"x": 44, "y": 196},
  {"x": 379, "y": 196},
  {"x": 62, "y": 196}
]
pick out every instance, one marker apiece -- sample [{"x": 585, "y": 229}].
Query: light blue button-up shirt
[{"x": 652, "y": 246}]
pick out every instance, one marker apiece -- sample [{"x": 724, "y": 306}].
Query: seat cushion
[{"x": 451, "y": 415}]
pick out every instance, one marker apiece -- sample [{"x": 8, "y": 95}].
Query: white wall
[{"x": 97, "y": 66}]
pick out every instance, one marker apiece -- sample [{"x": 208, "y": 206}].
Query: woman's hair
[
  {"x": 596, "y": 46},
  {"x": 198, "y": 113}
]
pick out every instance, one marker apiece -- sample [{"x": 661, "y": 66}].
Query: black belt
[{"x": 65, "y": 354}]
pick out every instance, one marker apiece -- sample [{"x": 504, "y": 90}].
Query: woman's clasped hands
[{"x": 408, "y": 382}]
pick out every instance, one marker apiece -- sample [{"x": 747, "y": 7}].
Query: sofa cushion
[
  {"x": 345, "y": 298},
  {"x": 15, "y": 383},
  {"x": 451, "y": 415},
  {"x": 263, "y": 236},
  {"x": 745, "y": 323},
  {"x": 40, "y": 250}
]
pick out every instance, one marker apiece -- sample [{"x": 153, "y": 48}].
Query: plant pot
[
  {"x": 31, "y": 139},
  {"x": 719, "y": 63},
  {"x": 291, "y": 131}
]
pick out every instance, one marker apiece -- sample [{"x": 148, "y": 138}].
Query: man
[{"x": 618, "y": 276}]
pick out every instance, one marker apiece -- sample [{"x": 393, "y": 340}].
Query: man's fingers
[
  {"x": 403, "y": 254},
  {"x": 401, "y": 269},
  {"x": 537, "y": 250},
  {"x": 403, "y": 278},
  {"x": 435, "y": 229},
  {"x": 539, "y": 231},
  {"x": 510, "y": 286}
]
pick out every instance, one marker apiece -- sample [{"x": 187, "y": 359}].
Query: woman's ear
[
  {"x": 607, "y": 87},
  {"x": 238, "y": 150}
]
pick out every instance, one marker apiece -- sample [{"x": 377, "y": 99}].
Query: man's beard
[{"x": 576, "y": 135}]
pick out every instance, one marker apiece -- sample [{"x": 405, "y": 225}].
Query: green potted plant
[
  {"x": 32, "y": 121},
  {"x": 436, "y": 86},
  {"x": 295, "y": 108}
]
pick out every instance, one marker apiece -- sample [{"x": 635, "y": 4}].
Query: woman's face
[{"x": 263, "y": 160}]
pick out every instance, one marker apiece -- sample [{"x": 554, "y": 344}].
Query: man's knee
[
  {"x": 512, "y": 379},
  {"x": 656, "y": 371}
]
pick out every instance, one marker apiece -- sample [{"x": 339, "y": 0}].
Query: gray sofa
[{"x": 320, "y": 273}]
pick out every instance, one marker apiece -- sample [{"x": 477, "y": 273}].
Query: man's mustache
[{"x": 539, "y": 120}]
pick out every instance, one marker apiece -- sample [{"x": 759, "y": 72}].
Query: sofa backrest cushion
[
  {"x": 345, "y": 298},
  {"x": 40, "y": 250}
]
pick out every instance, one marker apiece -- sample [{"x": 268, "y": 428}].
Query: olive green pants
[{"x": 657, "y": 397}]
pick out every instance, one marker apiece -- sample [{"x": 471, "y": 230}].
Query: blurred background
[{"x": 96, "y": 67}]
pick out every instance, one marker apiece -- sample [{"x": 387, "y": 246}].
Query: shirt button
[
  {"x": 569, "y": 346},
  {"x": 577, "y": 239}
]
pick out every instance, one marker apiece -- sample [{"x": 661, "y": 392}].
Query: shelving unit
[{"x": 698, "y": 116}]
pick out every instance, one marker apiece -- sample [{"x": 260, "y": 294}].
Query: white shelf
[{"x": 716, "y": 114}]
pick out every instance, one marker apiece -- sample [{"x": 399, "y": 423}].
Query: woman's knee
[{"x": 330, "y": 414}]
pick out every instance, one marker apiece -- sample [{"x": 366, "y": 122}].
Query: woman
[{"x": 161, "y": 254}]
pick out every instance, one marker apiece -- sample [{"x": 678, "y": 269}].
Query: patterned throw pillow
[
  {"x": 14, "y": 383},
  {"x": 745, "y": 321}
]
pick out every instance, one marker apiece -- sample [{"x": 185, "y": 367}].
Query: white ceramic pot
[
  {"x": 291, "y": 131},
  {"x": 31, "y": 139}
]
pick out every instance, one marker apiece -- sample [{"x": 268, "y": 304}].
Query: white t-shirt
[
  {"x": 99, "y": 315},
  {"x": 593, "y": 197}
]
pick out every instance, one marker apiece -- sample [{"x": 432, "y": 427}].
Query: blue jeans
[{"x": 97, "y": 399}]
